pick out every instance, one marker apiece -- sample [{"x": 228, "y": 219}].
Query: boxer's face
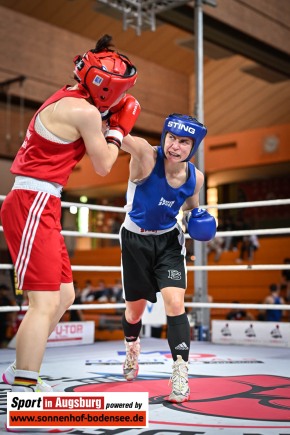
[{"x": 177, "y": 148}]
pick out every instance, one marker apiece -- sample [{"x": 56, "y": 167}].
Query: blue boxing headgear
[{"x": 185, "y": 126}]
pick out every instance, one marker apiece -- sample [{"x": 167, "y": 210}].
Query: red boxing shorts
[{"x": 31, "y": 223}]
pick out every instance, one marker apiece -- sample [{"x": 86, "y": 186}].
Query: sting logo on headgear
[
  {"x": 181, "y": 127},
  {"x": 185, "y": 126}
]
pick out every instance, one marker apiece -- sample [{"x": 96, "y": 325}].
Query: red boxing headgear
[{"x": 105, "y": 75}]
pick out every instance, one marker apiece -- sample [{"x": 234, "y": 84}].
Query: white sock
[{"x": 24, "y": 380}]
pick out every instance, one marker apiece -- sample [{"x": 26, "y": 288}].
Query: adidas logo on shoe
[{"x": 182, "y": 346}]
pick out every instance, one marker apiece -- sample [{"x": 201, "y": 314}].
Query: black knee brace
[{"x": 131, "y": 330}]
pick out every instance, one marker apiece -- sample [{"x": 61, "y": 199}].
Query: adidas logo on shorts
[{"x": 182, "y": 346}]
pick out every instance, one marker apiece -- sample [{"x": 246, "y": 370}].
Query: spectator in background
[
  {"x": 249, "y": 245},
  {"x": 87, "y": 292},
  {"x": 274, "y": 298},
  {"x": 239, "y": 225},
  {"x": 239, "y": 314},
  {"x": 101, "y": 292},
  {"x": 116, "y": 292}
]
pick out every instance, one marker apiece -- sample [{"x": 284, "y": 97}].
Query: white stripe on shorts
[{"x": 28, "y": 235}]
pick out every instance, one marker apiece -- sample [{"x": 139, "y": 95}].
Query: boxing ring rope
[
  {"x": 186, "y": 304},
  {"x": 248, "y": 267},
  {"x": 189, "y": 268},
  {"x": 267, "y": 203}
]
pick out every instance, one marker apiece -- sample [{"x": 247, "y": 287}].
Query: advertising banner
[
  {"x": 68, "y": 334},
  {"x": 251, "y": 333}
]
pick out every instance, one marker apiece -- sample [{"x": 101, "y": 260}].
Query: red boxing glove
[
  {"x": 123, "y": 118},
  {"x": 108, "y": 113},
  {"x": 120, "y": 105}
]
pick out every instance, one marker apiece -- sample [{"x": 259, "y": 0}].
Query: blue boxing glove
[{"x": 201, "y": 225}]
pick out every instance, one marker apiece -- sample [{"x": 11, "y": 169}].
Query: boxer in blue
[{"x": 162, "y": 182}]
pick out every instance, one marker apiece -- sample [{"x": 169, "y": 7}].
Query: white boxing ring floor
[{"x": 235, "y": 390}]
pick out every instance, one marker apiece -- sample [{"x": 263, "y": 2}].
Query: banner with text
[
  {"x": 68, "y": 334},
  {"x": 71, "y": 410}
]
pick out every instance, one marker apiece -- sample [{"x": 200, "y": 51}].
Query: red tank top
[{"x": 41, "y": 158}]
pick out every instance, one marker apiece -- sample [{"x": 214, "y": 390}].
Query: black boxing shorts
[{"x": 151, "y": 263}]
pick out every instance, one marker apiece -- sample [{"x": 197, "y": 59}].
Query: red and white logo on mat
[{"x": 249, "y": 397}]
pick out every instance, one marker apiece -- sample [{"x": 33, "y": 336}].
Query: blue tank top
[
  {"x": 154, "y": 204},
  {"x": 274, "y": 315}
]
